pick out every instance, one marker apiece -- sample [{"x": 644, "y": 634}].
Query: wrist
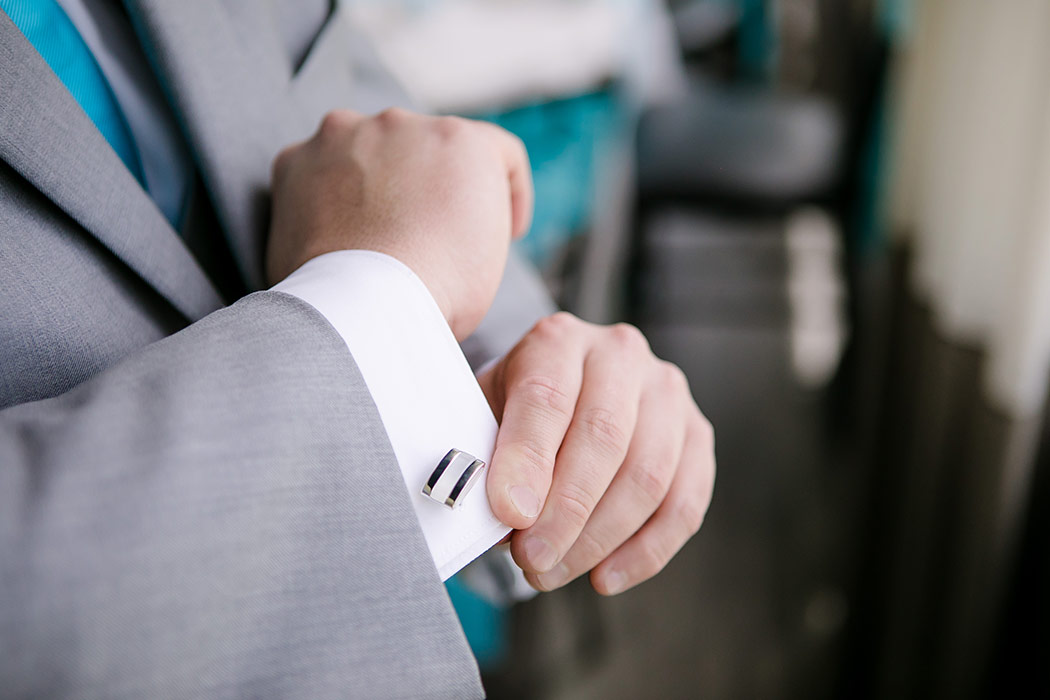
[{"x": 396, "y": 266}]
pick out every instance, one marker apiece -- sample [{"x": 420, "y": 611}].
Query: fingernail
[
  {"x": 554, "y": 578},
  {"x": 540, "y": 554},
  {"x": 524, "y": 500},
  {"x": 615, "y": 582}
]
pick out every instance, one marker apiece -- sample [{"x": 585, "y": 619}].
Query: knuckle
[
  {"x": 707, "y": 493},
  {"x": 534, "y": 458},
  {"x": 604, "y": 429},
  {"x": 517, "y": 145},
  {"x": 629, "y": 337},
  {"x": 544, "y": 392},
  {"x": 451, "y": 128},
  {"x": 556, "y": 325},
  {"x": 564, "y": 317},
  {"x": 545, "y": 329},
  {"x": 591, "y": 546},
  {"x": 574, "y": 505},
  {"x": 707, "y": 490},
  {"x": 690, "y": 513},
  {"x": 282, "y": 160},
  {"x": 651, "y": 480},
  {"x": 391, "y": 116},
  {"x": 336, "y": 121},
  {"x": 566, "y": 320},
  {"x": 654, "y": 556},
  {"x": 705, "y": 431},
  {"x": 673, "y": 376}
]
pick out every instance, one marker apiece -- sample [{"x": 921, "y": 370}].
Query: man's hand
[
  {"x": 443, "y": 195},
  {"x": 603, "y": 461}
]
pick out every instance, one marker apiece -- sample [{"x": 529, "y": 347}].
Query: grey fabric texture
[
  {"x": 46, "y": 138},
  {"x": 218, "y": 515},
  {"x": 198, "y": 501}
]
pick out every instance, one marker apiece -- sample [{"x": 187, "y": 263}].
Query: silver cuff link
[{"x": 454, "y": 477}]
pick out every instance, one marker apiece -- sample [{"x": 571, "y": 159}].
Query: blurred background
[{"x": 835, "y": 216}]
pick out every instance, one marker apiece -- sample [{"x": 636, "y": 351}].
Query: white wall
[{"x": 971, "y": 182}]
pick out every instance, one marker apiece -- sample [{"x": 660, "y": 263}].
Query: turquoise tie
[{"x": 51, "y": 32}]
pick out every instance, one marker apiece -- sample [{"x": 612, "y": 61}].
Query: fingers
[
  {"x": 676, "y": 520},
  {"x": 337, "y": 128},
  {"x": 541, "y": 381},
  {"x": 641, "y": 483},
  {"x": 608, "y": 439},
  {"x": 519, "y": 176},
  {"x": 593, "y": 449}
]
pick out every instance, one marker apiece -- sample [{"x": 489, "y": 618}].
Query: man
[{"x": 201, "y": 489}]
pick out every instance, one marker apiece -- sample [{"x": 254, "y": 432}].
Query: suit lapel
[
  {"x": 232, "y": 102},
  {"x": 48, "y": 139}
]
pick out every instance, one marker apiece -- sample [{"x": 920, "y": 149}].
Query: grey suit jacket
[{"x": 198, "y": 499}]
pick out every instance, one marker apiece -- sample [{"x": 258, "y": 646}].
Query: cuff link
[{"x": 454, "y": 477}]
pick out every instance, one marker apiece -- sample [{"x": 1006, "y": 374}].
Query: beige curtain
[
  {"x": 969, "y": 199},
  {"x": 971, "y": 182}
]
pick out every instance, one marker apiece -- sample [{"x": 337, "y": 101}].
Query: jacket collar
[
  {"x": 230, "y": 95},
  {"x": 48, "y": 139}
]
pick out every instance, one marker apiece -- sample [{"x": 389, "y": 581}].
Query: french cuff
[{"x": 425, "y": 392}]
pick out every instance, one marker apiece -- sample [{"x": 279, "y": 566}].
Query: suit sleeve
[{"x": 218, "y": 515}]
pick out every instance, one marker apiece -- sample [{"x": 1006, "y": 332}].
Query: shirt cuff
[{"x": 425, "y": 392}]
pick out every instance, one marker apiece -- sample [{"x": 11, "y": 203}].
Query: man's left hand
[{"x": 603, "y": 461}]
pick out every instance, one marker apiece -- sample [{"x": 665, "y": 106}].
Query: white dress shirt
[{"x": 420, "y": 381}]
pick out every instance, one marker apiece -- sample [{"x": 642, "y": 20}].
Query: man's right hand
[{"x": 443, "y": 195}]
